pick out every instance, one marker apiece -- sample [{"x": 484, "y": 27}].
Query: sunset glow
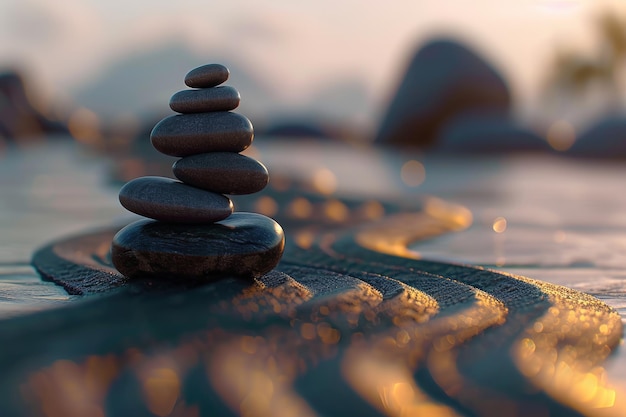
[{"x": 296, "y": 50}]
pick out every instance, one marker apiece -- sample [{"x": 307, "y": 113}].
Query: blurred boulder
[
  {"x": 606, "y": 139},
  {"x": 443, "y": 80},
  {"x": 18, "y": 118},
  {"x": 294, "y": 129},
  {"x": 483, "y": 133}
]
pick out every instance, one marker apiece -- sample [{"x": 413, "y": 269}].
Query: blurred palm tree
[{"x": 574, "y": 73}]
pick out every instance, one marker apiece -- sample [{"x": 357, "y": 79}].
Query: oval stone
[
  {"x": 205, "y": 100},
  {"x": 190, "y": 134},
  {"x": 245, "y": 244},
  {"x": 222, "y": 172},
  {"x": 168, "y": 200},
  {"x": 207, "y": 76}
]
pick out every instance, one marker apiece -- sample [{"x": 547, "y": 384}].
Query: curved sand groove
[
  {"x": 341, "y": 327},
  {"x": 565, "y": 326}
]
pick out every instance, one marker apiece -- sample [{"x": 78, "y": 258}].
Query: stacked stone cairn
[{"x": 191, "y": 231}]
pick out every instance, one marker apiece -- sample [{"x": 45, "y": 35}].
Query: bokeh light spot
[
  {"x": 413, "y": 173},
  {"x": 304, "y": 239},
  {"x": 308, "y": 331},
  {"x": 336, "y": 210},
  {"x": 161, "y": 389},
  {"x": 499, "y": 225},
  {"x": 372, "y": 210},
  {"x": 324, "y": 181},
  {"x": 561, "y": 135},
  {"x": 300, "y": 208},
  {"x": 83, "y": 125},
  {"x": 266, "y": 206}
]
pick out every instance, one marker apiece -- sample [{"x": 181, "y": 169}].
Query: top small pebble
[{"x": 207, "y": 76}]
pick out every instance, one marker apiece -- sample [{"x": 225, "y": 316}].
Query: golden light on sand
[
  {"x": 393, "y": 235},
  {"x": 324, "y": 181},
  {"x": 499, "y": 225},
  {"x": 255, "y": 381},
  {"x": 265, "y": 348},
  {"x": 389, "y": 387},
  {"x": 457, "y": 216},
  {"x": 559, "y": 352},
  {"x": 561, "y": 135},
  {"x": 550, "y": 350},
  {"x": 413, "y": 173}
]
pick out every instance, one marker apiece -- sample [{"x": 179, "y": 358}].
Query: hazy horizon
[{"x": 293, "y": 49}]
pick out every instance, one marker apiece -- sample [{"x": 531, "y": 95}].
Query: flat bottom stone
[{"x": 244, "y": 244}]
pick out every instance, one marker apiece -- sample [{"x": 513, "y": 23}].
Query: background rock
[
  {"x": 18, "y": 117},
  {"x": 487, "y": 133},
  {"x": 444, "y": 78},
  {"x": 605, "y": 139}
]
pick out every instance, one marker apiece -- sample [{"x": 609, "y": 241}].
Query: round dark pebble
[
  {"x": 205, "y": 100},
  {"x": 222, "y": 172},
  {"x": 168, "y": 200},
  {"x": 207, "y": 76},
  {"x": 190, "y": 134},
  {"x": 245, "y": 244}
]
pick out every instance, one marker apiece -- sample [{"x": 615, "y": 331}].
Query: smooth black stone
[
  {"x": 222, "y": 172},
  {"x": 245, "y": 244},
  {"x": 207, "y": 76},
  {"x": 168, "y": 200},
  {"x": 205, "y": 100},
  {"x": 190, "y": 134}
]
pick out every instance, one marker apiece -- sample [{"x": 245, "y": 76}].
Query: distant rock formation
[
  {"x": 443, "y": 80},
  {"x": 478, "y": 133},
  {"x": 18, "y": 118},
  {"x": 606, "y": 139}
]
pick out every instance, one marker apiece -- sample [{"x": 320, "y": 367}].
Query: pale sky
[{"x": 295, "y": 47}]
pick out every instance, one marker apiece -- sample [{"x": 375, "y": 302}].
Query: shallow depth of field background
[{"x": 339, "y": 61}]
